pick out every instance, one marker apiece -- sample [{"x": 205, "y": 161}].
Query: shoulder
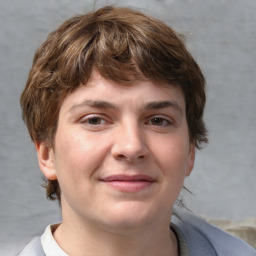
[
  {"x": 34, "y": 248},
  {"x": 205, "y": 239}
]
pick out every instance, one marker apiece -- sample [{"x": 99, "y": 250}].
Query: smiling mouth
[{"x": 131, "y": 184}]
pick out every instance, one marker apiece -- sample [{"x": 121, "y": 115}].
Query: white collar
[{"x": 50, "y": 246}]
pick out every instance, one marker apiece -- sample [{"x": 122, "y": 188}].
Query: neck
[{"x": 84, "y": 239}]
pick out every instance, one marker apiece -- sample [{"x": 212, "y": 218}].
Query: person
[{"x": 114, "y": 104}]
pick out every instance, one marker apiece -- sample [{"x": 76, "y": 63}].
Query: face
[{"x": 121, "y": 153}]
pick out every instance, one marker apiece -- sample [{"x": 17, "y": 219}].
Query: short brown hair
[{"x": 123, "y": 45}]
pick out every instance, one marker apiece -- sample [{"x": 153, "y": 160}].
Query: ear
[
  {"x": 45, "y": 155},
  {"x": 191, "y": 159}
]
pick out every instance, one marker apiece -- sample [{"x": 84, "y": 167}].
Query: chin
[{"x": 130, "y": 217}]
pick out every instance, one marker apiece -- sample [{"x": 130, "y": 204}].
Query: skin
[{"x": 121, "y": 154}]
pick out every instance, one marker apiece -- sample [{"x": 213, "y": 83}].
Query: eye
[
  {"x": 159, "y": 121},
  {"x": 93, "y": 120}
]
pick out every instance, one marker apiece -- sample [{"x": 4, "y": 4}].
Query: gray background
[{"x": 221, "y": 35}]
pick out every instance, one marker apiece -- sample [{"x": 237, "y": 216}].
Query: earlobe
[
  {"x": 45, "y": 155},
  {"x": 191, "y": 159}
]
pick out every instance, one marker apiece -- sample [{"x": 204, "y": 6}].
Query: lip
[{"x": 129, "y": 183}]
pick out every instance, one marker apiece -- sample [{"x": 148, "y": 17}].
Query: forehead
[{"x": 112, "y": 93}]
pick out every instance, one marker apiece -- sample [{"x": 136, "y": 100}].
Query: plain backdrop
[{"x": 221, "y": 34}]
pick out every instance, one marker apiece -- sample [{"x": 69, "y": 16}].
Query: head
[{"x": 122, "y": 45}]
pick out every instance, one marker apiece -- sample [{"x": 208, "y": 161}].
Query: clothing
[
  {"x": 34, "y": 248},
  {"x": 193, "y": 234},
  {"x": 204, "y": 239},
  {"x": 49, "y": 244},
  {"x": 183, "y": 249}
]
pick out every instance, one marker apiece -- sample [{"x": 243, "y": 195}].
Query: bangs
[{"x": 119, "y": 51}]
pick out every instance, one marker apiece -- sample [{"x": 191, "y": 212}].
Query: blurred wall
[{"x": 221, "y": 35}]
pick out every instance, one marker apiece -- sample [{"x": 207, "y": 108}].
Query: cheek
[
  {"x": 172, "y": 155},
  {"x": 77, "y": 156}
]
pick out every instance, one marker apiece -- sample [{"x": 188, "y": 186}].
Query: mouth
[{"x": 129, "y": 184}]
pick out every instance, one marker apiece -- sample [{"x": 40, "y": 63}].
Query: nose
[{"x": 129, "y": 143}]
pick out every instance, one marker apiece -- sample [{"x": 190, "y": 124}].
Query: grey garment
[
  {"x": 182, "y": 244},
  {"x": 204, "y": 239},
  {"x": 34, "y": 248},
  {"x": 196, "y": 238}
]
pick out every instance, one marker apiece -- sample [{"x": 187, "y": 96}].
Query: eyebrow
[
  {"x": 94, "y": 104},
  {"x": 107, "y": 105},
  {"x": 163, "y": 104}
]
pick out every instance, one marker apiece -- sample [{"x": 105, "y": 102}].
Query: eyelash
[
  {"x": 160, "y": 121},
  {"x": 89, "y": 118}
]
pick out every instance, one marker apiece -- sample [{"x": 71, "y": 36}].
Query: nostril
[
  {"x": 130, "y": 158},
  {"x": 121, "y": 156}
]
